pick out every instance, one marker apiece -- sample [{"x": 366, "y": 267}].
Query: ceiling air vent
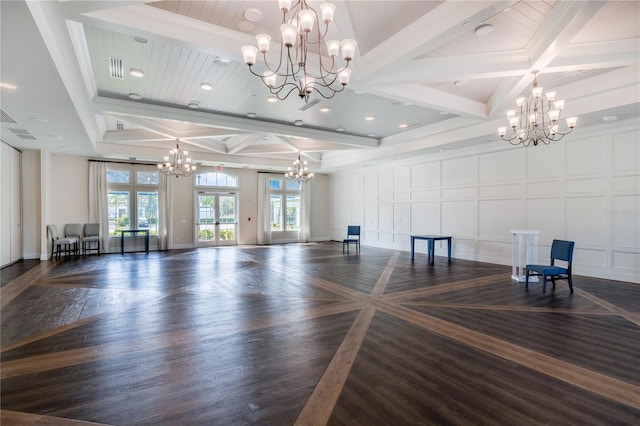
[
  {"x": 22, "y": 133},
  {"x": 115, "y": 68},
  {"x": 309, "y": 105},
  {"x": 6, "y": 118}
]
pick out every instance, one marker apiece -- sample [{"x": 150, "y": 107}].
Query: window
[
  {"x": 285, "y": 204},
  {"x": 132, "y": 198},
  {"x": 216, "y": 179}
]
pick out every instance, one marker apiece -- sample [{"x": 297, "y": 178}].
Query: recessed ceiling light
[
  {"x": 40, "y": 120},
  {"x": 136, "y": 72},
  {"x": 251, "y": 115},
  {"x": 610, "y": 118},
  {"x": 339, "y": 129},
  {"x": 370, "y": 118},
  {"x": 206, "y": 86},
  {"x": 272, "y": 99},
  {"x": 461, "y": 83},
  {"x": 403, "y": 125},
  {"x": 221, "y": 61},
  {"x": 484, "y": 29},
  {"x": 6, "y": 85},
  {"x": 140, "y": 39},
  {"x": 194, "y": 104},
  {"x": 325, "y": 109},
  {"x": 372, "y": 135},
  {"x": 252, "y": 15},
  {"x": 298, "y": 123},
  {"x": 135, "y": 96}
]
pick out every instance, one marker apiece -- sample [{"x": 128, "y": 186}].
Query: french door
[{"x": 216, "y": 219}]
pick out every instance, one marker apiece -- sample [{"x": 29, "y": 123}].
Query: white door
[{"x": 216, "y": 219}]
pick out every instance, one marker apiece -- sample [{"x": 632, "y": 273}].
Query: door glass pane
[
  {"x": 227, "y": 208},
  {"x": 118, "y": 211},
  {"x": 293, "y": 212},
  {"x": 276, "y": 213},
  {"x": 206, "y": 217},
  {"x": 148, "y": 211}
]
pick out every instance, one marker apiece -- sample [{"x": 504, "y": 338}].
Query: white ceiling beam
[
  {"x": 452, "y": 68},
  {"x": 109, "y": 106},
  {"x": 239, "y": 142},
  {"x": 210, "y": 145},
  {"x": 444, "y": 23},
  {"x": 133, "y": 135},
  {"x": 565, "y": 21},
  {"x": 435, "y": 99},
  {"x": 600, "y": 55}
]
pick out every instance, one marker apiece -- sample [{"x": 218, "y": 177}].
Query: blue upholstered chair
[
  {"x": 560, "y": 250},
  {"x": 353, "y": 237}
]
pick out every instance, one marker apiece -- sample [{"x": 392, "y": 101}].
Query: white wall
[
  {"x": 64, "y": 198},
  {"x": 31, "y": 218},
  {"x": 585, "y": 188}
]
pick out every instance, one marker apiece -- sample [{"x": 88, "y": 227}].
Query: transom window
[
  {"x": 132, "y": 198},
  {"x": 216, "y": 179},
  {"x": 284, "y": 204}
]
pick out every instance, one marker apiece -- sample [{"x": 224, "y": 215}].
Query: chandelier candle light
[
  {"x": 298, "y": 70},
  {"x": 177, "y": 164},
  {"x": 299, "y": 172},
  {"x": 537, "y": 119}
]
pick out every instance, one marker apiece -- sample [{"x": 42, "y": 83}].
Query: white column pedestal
[{"x": 525, "y": 251}]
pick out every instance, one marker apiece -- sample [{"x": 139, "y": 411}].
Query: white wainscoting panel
[
  {"x": 460, "y": 171},
  {"x": 371, "y": 217},
  {"x": 626, "y": 152},
  {"x": 425, "y": 218},
  {"x": 498, "y": 217},
  {"x": 402, "y": 218},
  {"x": 627, "y": 260},
  {"x": 585, "y": 220},
  {"x": 385, "y": 180},
  {"x": 457, "y": 193},
  {"x": 546, "y": 216},
  {"x": 545, "y": 161},
  {"x": 371, "y": 182},
  {"x": 577, "y": 186},
  {"x": 625, "y": 216},
  {"x": 460, "y": 218},
  {"x": 402, "y": 196},
  {"x": 425, "y": 175},
  {"x": 402, "y": 178},
  {"x": 358, "y": 183},
  {"x": 590, "y": 258},
  {"x": 587, "y": 155},
  {"x": 626, "y": 183},
  {"x": 553, "y": 187},
  {"x": 505, "y": 190},
  {"x": 502, "y": 166},
  {"x": 385, "y": 217},
  {"x": 433, "y": 194}
]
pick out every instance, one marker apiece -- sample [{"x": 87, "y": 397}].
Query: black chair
[
  {"x": 91, "y": 238},
  {"x": 61, "y": 245},
  {"x": 352, "y": 231},
  {"x": 560, "y": 250}
]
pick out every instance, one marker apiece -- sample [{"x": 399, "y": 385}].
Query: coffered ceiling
[{"x": 422, "y": 71}]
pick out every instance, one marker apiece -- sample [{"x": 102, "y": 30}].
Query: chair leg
[
  {"x": 570, "y": 284},
  {"x": 544, "y": 284},
  {"x": 526, "y": 278}
]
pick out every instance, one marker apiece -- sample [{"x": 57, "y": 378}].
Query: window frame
[
  {"x": 134, "y": 189},
  {"x": 284, "y": 192}
]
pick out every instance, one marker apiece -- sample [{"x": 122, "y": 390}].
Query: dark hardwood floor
[{"x": 304, "y": 334}]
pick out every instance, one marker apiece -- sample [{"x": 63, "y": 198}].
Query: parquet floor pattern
[{"x": 304, "y": 334}]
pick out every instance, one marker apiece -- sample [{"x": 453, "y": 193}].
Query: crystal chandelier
[
  {"x": 300, "y": 69},
  {"x": 177, "y": 163},
  {"x": 537, "y": 119},
  {"x": 299, "y": 172}
]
